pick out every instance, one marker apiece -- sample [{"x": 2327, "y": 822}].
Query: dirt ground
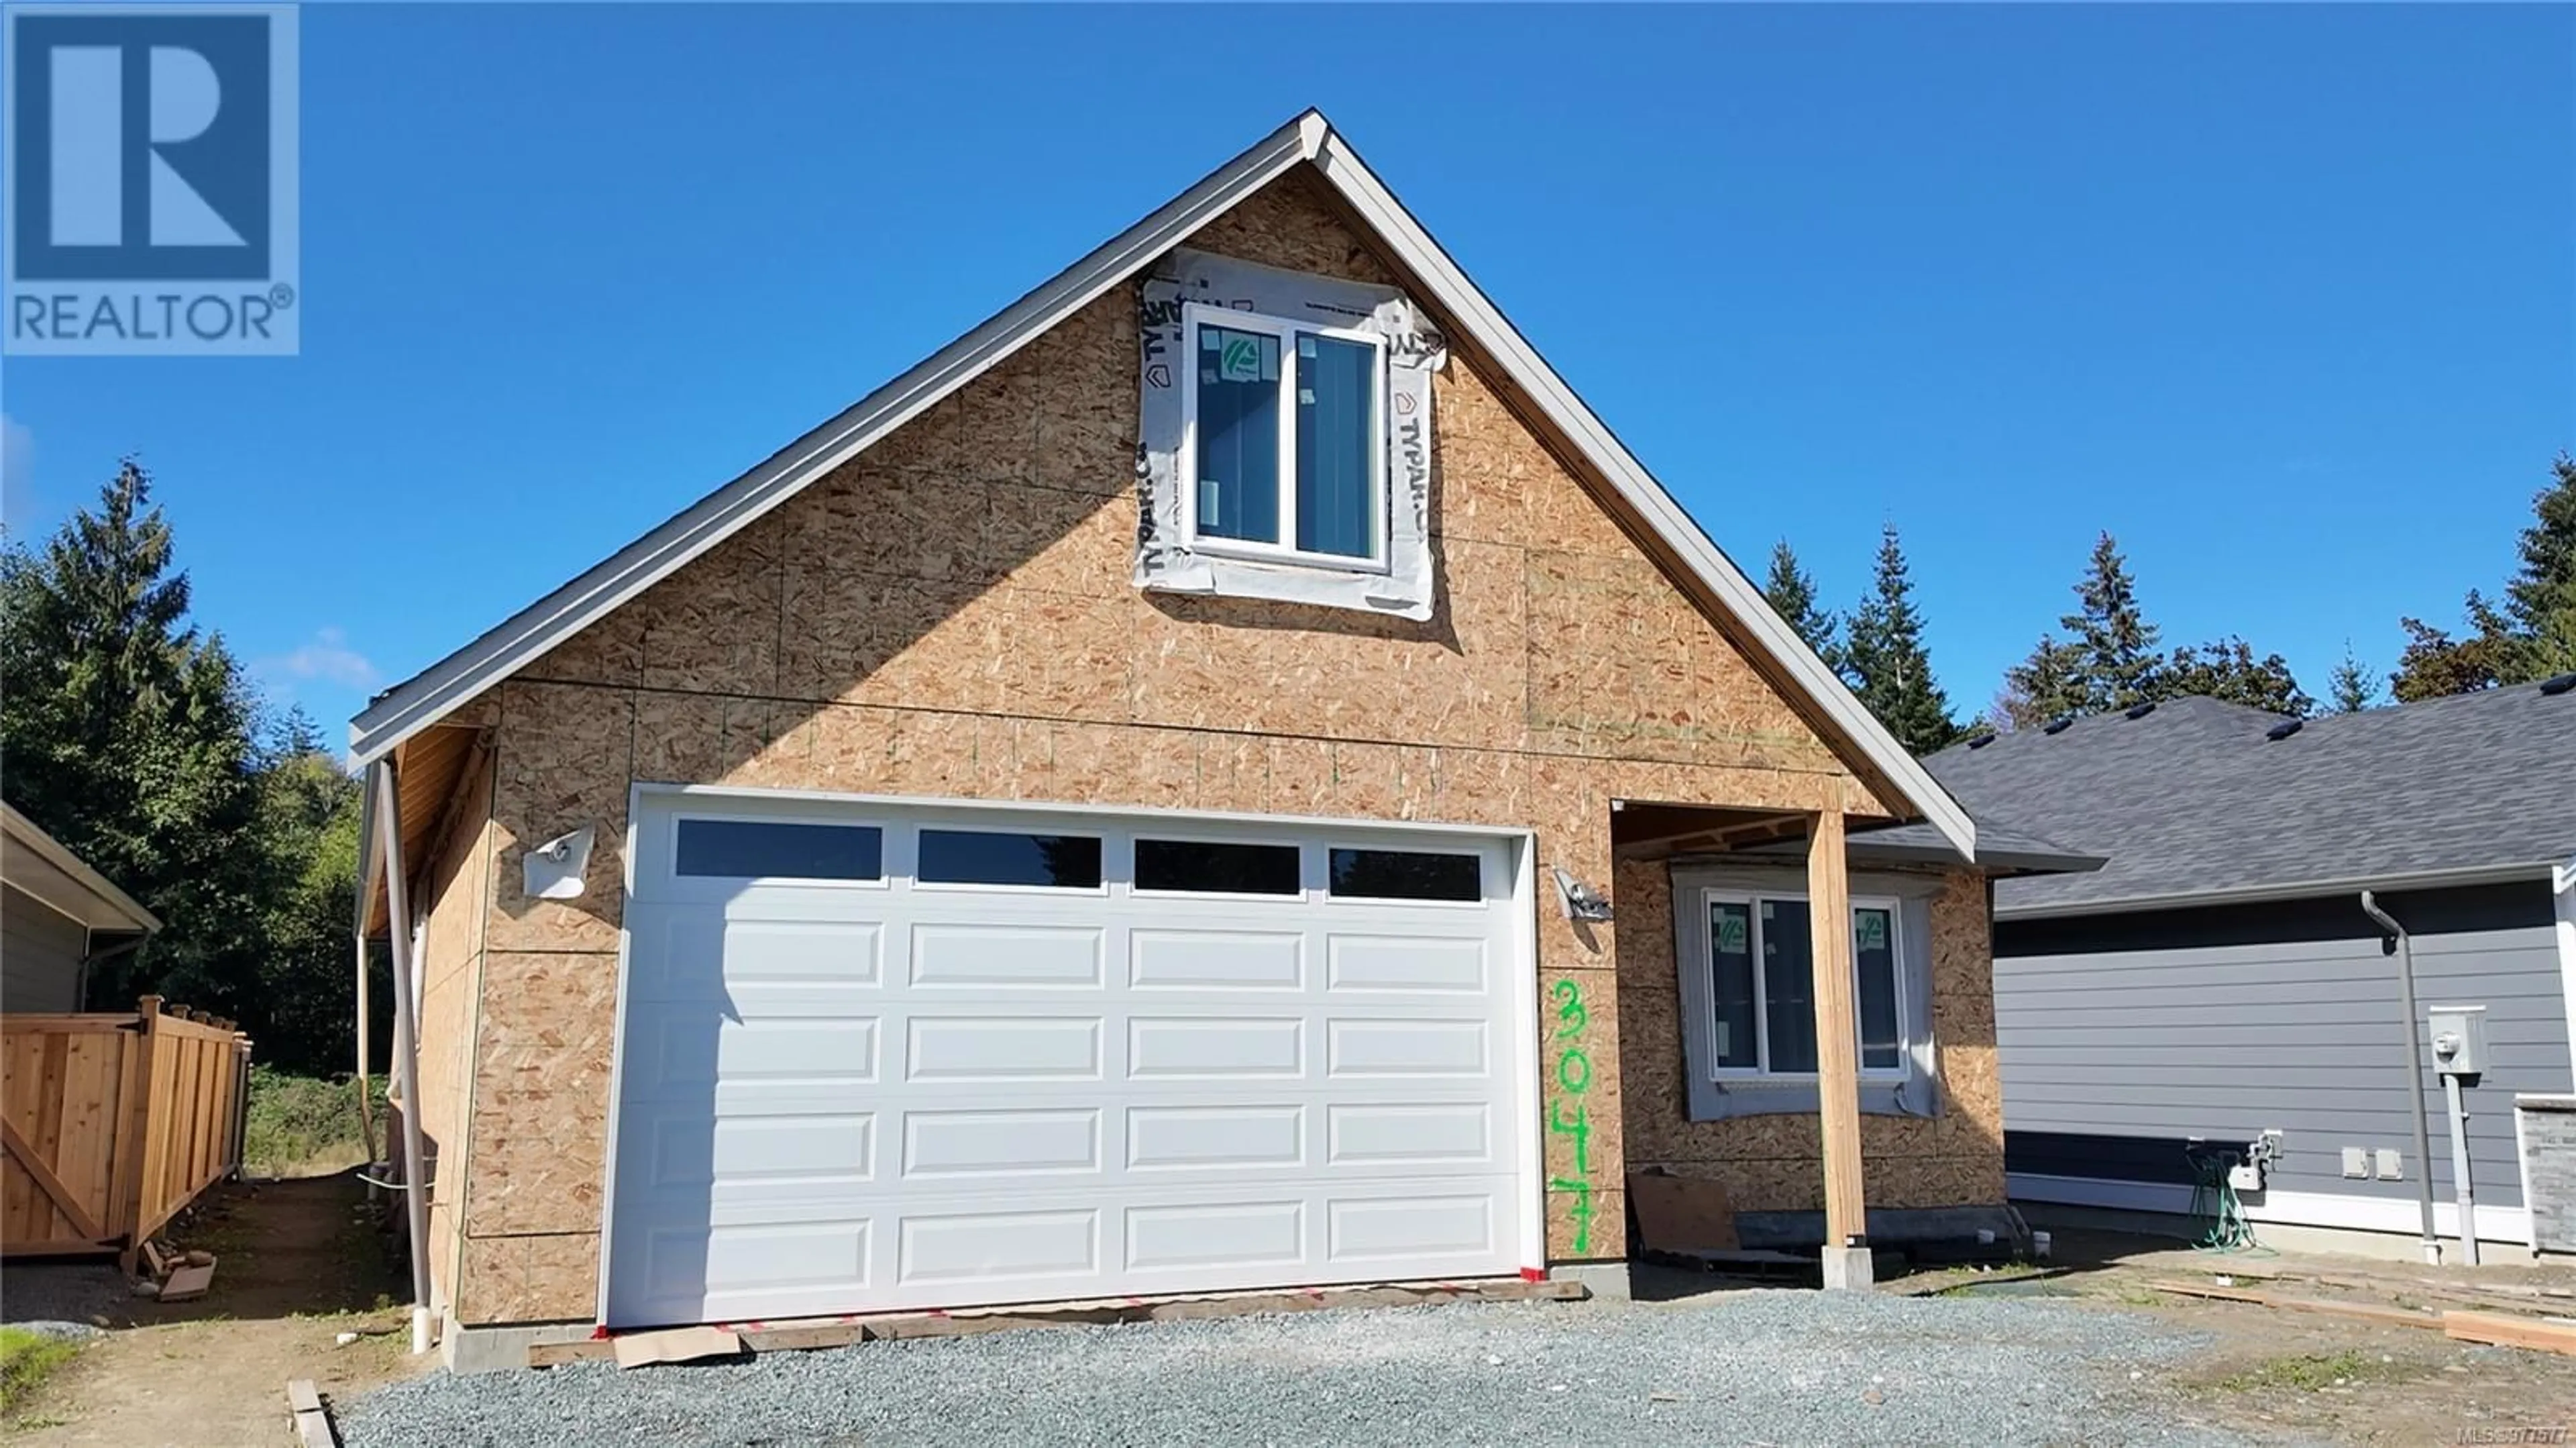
[
  {"x": 2284, "y": 1376},
  {"x": 298, "y": 1263}
]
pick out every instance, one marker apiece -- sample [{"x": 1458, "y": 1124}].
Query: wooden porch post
[{"x": 1846, "y": 1259}]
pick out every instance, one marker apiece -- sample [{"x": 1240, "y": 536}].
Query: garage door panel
[
  {"x": 1408, "y": 1227},
  {"x": 686, "y": 1153},
  {"x": 991, "y": 1048},
  {"x": 1018, "y": 956},
  {"x": 1216, "y": 1235},
  {"x": 1201, "y": 1139},
  {"x": 998, "y": 1246},
  {"x": 939, "y": 1144},
  {"x": 1202, "y": 1048},
  {"x": 881, "y": 1096},
  {"x": 1370, "y": 1136},
  {"x": 1216, "y": 960},
  {"x": 1407, "y": 1047}
]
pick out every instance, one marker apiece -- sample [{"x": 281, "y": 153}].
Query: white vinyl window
[
  {"x": 1283, "y": 444},
  {"x": 1762, "y": 1003}
]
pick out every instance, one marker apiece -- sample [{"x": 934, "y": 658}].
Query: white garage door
[{"x": 880, "y": 1057}]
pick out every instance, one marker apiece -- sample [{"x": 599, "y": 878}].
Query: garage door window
[
  {"x": 1210, "y": 867},
  {"x": 1001, "y": 857},
  {"x": 1405, "y": 875},
  {"x": 778, "y": 850}
]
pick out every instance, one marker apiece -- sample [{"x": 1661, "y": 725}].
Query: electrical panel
[
  {"x": 2356, "y": 1161},
  {"x": 2392, "y": 1167},
  {"x": 2459, "y": 1039}
]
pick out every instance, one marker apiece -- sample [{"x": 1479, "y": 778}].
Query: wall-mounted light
[
  {"x": 554, "y": 869},
  {"x": 1581, "y": 901}
]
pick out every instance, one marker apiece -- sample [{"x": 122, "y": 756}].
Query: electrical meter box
[{"x": 2459, "y": 1039}]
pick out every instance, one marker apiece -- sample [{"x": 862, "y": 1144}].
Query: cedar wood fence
[{"x": 113, "y": 1123}]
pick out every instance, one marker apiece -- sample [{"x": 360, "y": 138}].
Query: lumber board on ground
[
  {"x": 556, "y": 1354},
  {"x": 2505, "y": 1330},
  {"x": 675, "y": 1345},
  {"x": 2382, "y": 1313},
  {"x": 312, "y": 1424},
  {"x": 830, "y": 1332}
]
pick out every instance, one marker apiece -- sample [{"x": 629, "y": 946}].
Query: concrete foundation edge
[
  {"x": 463, "y": 1349},
  {"x": 1605, "y": 1280}
]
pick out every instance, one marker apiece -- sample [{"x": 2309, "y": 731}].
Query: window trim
[
  {"x": 1193, "y": 316},
  {"x": 1751, "y": 899},
  {"x": 1304, "y": 893},
  {"x": 671, "y": 878},
  {"x": 915, "y": 884}
]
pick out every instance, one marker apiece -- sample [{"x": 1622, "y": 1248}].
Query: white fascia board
[
  {"x": 423, "y": 700},
  {"x": 1464, "y": 304},
  {"x": 106, "y": 907},
  {"x": 429, "y": 696}
]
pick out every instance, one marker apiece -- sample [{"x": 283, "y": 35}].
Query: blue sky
[{"x": 2283, "y": 297}]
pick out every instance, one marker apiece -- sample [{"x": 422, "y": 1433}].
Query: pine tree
[
  {"x": 1884, "y": 657},
  {"x": 2227, "y": 670},
  {"x": 1792, "y": 592},
  {"x": 2350, "y": 689},
  {"x": 2119, "y": 644},
  {"x": 127, "y": 736},
  {"x": 2541, "y": 599},
  {"x": 2048, "y": 685}
]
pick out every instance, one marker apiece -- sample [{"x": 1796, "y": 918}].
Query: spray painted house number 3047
[{"x": 1567, "y": 1115}]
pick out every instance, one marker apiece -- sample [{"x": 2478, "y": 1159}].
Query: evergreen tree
[
  {"x": 2119, "y": 644},
  {"x": 308, "y": 812},
  {"x": 127, "y": 736},
  {"x": 2541, "y": 599},
  {"x": 2350, "y": 689},
  {"x": 2050, "y": 684},
  {"x": 2228, "y": 670},
  {"x": 1792, "y": 592},
  {"x": 2531, "y": 636},
  {"x": 1885, "y": 660}
]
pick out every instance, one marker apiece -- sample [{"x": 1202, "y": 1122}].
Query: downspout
[
  {"x": 2398, "y": 943},
  {"x": 358, "y": 933},
  {"x": 406, "y": 1048}
]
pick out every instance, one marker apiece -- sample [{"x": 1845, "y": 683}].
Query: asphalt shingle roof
[{"x": 2193, "y": 799}]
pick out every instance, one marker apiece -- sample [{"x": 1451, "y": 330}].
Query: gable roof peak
[{"x": 1307, "y": 139}]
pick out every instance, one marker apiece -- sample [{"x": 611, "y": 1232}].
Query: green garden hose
[{"x": 2213, "y": 1200}]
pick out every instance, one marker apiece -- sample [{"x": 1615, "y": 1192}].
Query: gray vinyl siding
[
  {"x": 40, "y": 954},
  {"x": 2222, "y": 1040}
]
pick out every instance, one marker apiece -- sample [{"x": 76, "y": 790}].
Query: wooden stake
[{"x": 1837, "y": 1032}]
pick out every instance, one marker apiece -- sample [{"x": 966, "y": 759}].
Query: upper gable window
[
  {"x": 1284, "y": 443},
  {"x": 1284, "y": 437}
]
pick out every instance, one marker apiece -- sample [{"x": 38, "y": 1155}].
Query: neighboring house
[
  {"x": 2217, "y": 978},
  {"x": 1087, "y": 821},
  {"x": 57, "y": 917}
]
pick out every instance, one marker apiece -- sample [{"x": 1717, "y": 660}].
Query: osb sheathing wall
[
  {"x": 1771, "y": 1163},
  {"x": 951, "y": 614},
  {"x": 456, "y": 895}
]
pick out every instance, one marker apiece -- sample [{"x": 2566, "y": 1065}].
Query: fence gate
[{"x": 112, "y": 1123}]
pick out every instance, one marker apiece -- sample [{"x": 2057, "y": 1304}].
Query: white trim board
[
  {"x": 430, "y": 696},
  {"x": 2562, "y": 886},
  {"x": 2289, "y": 1209}
]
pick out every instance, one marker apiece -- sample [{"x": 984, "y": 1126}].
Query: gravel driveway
[{"x": 1754, "y": 1367}]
